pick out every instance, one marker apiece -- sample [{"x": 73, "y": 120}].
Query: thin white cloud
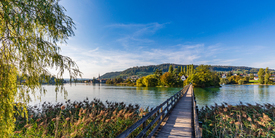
[
  {"x": 134, "y": 33},
  {"x": 97, "y": 61},
  {"x": 264, "y": 64},
  {"x": 224, "y": 62},
  {"x": 192, "y": 46},
  {"x": 93, "y": 50}
]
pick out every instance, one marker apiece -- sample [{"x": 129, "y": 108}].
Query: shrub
[
  {"x": 79, "y": 119},
  {"x": 238, "y": 121}
]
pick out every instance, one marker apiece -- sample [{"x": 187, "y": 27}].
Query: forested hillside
[
  {"x": 110, "y": 75},
  {"x": 146, "y": 70}
]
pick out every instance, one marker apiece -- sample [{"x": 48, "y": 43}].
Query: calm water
[
  {"x": 233, "y": 94},
  {"x": 152, "y": 96}
]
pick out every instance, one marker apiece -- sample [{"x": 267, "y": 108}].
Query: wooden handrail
[
  {"x": 162, "y": 110},
  {"x": 196, "y": 124}
]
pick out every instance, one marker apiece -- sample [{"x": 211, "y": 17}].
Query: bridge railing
[
  {"x": 157, "y": 116},
  {"x": 196, "y": 124}
]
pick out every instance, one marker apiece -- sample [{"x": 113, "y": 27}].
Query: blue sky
[{"x": 115, "y": 35}]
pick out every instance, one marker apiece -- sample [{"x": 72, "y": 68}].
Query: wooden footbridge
[{"x": 176, "y": 117}]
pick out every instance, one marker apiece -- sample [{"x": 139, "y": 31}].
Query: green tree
[
  {"x": 29, "y": 33},
  {"x": 176, "y": 71},
  {"x": 139, "y": 82},
  {"x": 246, "y": 79},
  {"x": 229, "y": 74},
  {"x": 158, "y": 73},
  {"x": 128, "y": 81},
  {"x": 251, "y": 76},
  {"x": 188, "y": 70},
  {"x": 170, "y": 69},
  {"x": 150, "y": 81},
  {"x": 241, "y": 82},
  {"x": 8, "y": 89},
  {"x": 224, "y": 81},
  {"x": 181, "y": 73},
  {"x": 261, "y": 76},
  {"x": 191, "y": 69},
  {"x": 118, "y": 80},
  {"x": 184, "y": 70},
  {"x": 267, "y": 76},
  {"x": 234, "y": 79},
  {"x": 203, "y": 77},
  {"x": 109, "y": 81}
]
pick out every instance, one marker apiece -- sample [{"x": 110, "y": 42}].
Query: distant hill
[
  {"x": 146, "y": 70},
  {"x": 110, "y": 75}
]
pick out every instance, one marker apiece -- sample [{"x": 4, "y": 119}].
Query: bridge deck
[{"x": 179, "y": 123}]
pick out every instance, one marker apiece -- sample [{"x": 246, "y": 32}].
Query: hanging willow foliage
[{"x": 29, "y": 33}]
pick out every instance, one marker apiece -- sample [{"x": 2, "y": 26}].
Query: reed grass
[
  {"x": 79, "y": 119},
  {"x": 238, "y": 121}
]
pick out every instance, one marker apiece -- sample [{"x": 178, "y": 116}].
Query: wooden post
[
  {"x": 200, "y": 125},
  {"x": 161, "y": 115},
  {"x": 158, "y": 114},
  {"x": 144, "y": 125},
  {"x": 167, "y": 107},
  {"x": 173, "y": 101}
]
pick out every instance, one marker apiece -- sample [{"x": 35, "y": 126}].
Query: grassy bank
[
  {"x": 79, "y": 119},
  {"x": 238, "y": 121}
]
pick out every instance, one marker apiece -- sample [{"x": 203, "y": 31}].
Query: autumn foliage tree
[
  {"x": 171, "y": 69},
  {"x": 167, "y": 79}
]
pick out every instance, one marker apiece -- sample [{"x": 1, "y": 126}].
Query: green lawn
[{"x": 253, "y": 81}]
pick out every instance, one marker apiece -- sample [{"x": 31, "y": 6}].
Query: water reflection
[
  {"x": 234, "y": 94},
  {"x": 153, "y": 96},
  {"x": 144, "y": 96}
]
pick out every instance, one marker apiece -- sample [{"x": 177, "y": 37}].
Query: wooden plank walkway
[{"x": 179, "y": 123}]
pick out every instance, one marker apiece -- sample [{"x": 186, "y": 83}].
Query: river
[{"x": 153, "y": 96}]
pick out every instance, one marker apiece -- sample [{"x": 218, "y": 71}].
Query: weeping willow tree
[{"x": 30, "y": 31}]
